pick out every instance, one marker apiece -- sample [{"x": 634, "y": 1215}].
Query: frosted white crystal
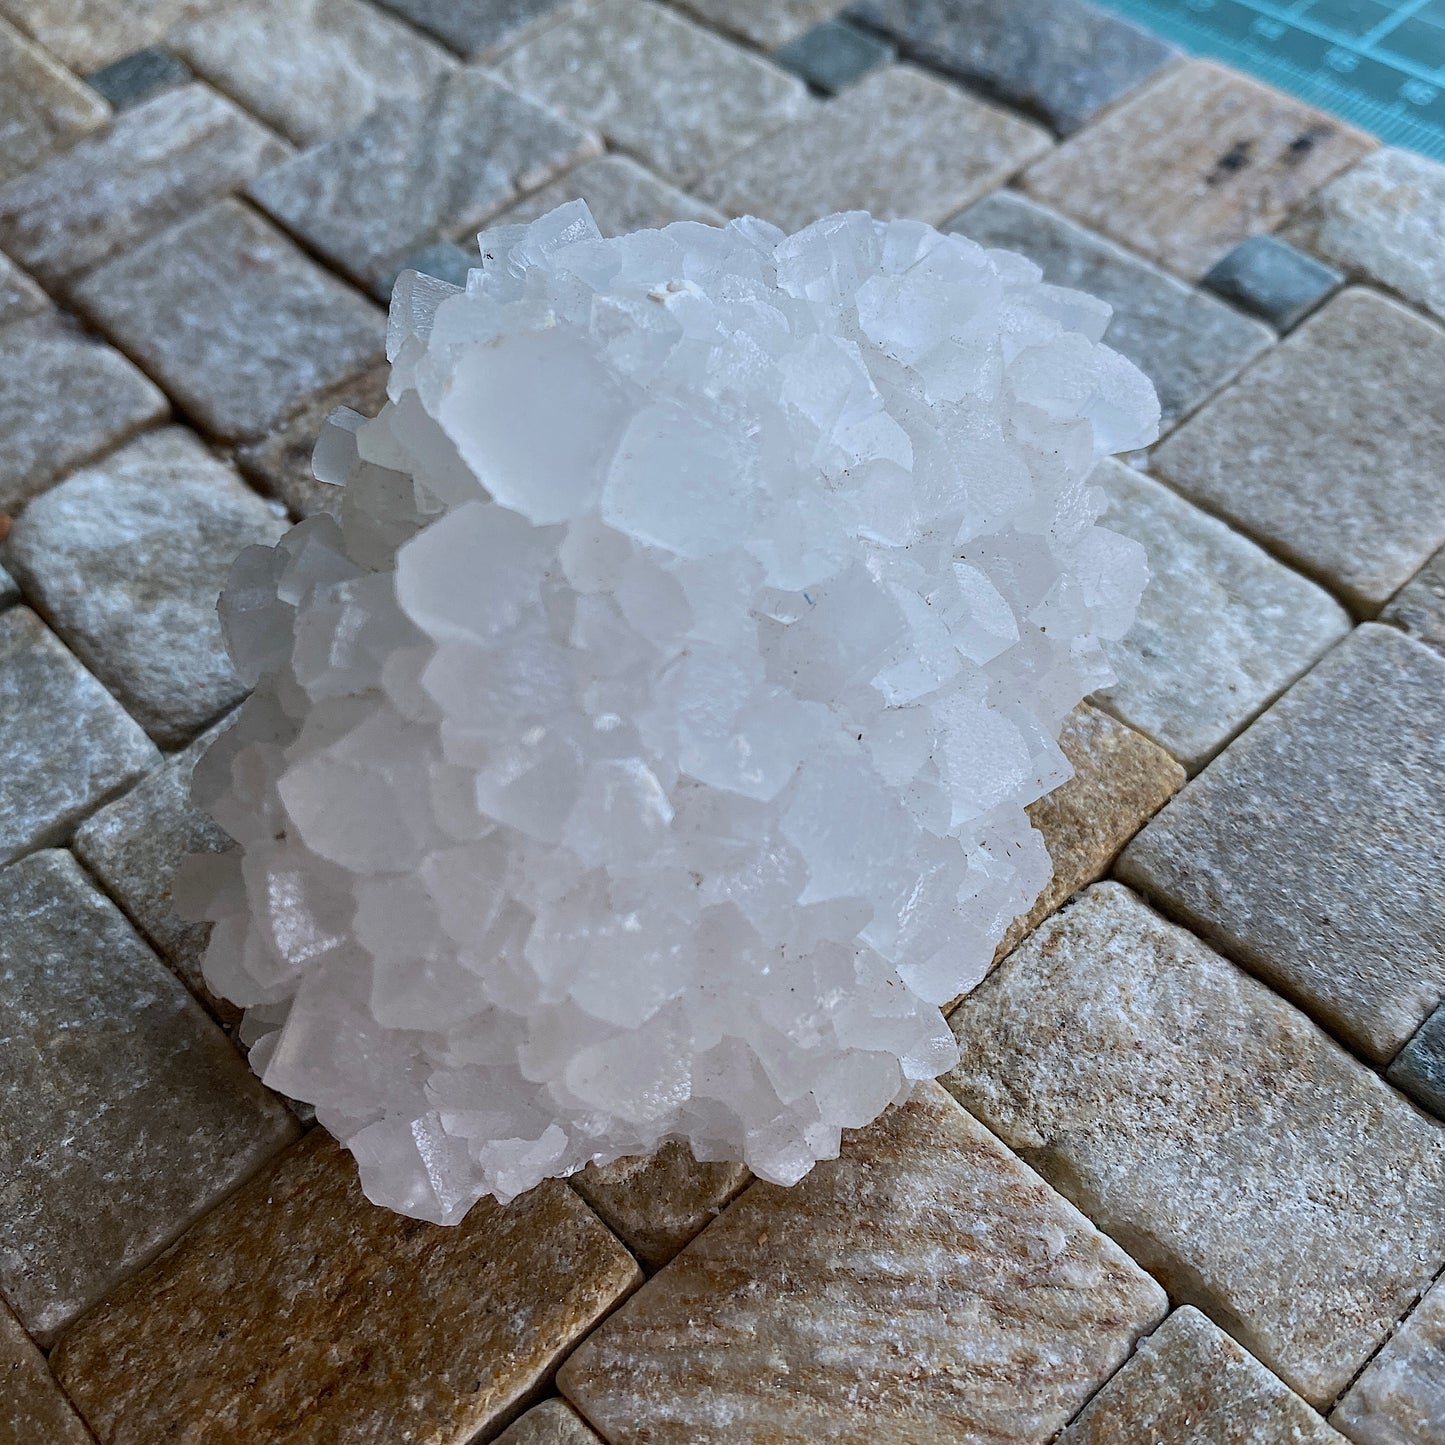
[{"x": 644, "y": 755}]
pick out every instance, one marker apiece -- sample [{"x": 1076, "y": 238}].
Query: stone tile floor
[{"x": 1188, "y": 1183}]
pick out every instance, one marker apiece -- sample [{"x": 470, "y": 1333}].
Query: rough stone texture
[
  {"x": 925, "y": 1287},
  {"x": 1309, "y": 849},
  {"x": 1241, "y": 1156},
  {"x": 1190, "y": 1384},
  {"x": 1400, "y": 1398},
  {"x": 158, "y": 163},
  {"x": 43, "y": 107},
  {"x": 342, "y": 1321},
  {"x": 66, "y": 742},
  {"x": 127, "y": 558},
  {"x": 139, "y": 76},
  {"x": 1186, "y": 343},
  {"x": 1419, "y": 606},
  {"x": 133, "y": 847},
  {"x": 1419, "y": 1068},
  {"x": 87, "y": 34},
  {"x": 64, "y": 396},
  {"x": 677, "y": 96},
  {"x": 116, "y": 1141},
  {"x": 417, "y": 167},
  {"x": 899, "y": 143},
  {"x": 482, "y": 29},
  {"x": 1221, "y": 631},
  {"x": 622, "y": 196},
  {"x": 1061, "y": 59},
  {"x": 553, "y": 1422},
  {"x": 33, "y": 1410},
  {"x": 1194, "y": 163},
  {"x": 833, "y": 55},
  {"x": 1272, "y": 279},
  {"x": 234, "y": 319},
  {"x": 767, "y": 23},
  {"x": 281, "y": 462},
  {"x": 312, "y": 68},
  {"x": 19, "y": 295},
  {"x": 1383, "y": 219},
  {"x": 657, "y": 1204},
  {"x": 1328, "y": 450},
  {"x": 1120, "y": 780},
  {"x": 9, "y": 592}
]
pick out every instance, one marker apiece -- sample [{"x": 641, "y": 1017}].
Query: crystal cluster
[{"x": 644, "y": 754}]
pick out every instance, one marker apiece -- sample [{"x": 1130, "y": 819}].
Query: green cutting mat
[{"x": 1378, "y": 63}]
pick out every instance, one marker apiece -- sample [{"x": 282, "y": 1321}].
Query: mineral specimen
[{"x": 643, "y": 755}]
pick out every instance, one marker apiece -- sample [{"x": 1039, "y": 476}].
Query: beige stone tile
[
  {"x": 300, "y": 1314},
  {"x": 1190, "y": 1384},
  {"x": 923, "y": 1287},
  {"x": 657, "y": 1203},
  {"x": 43, "y": 107},
  {"x": 1195, "y": 162},
  {"x": 622, "y": 196},
  {"x": 1238, "y": 1153},
  {"x": 1400, "y": 1397},
  {"x": 33, "y": 1409},
  {"x": 899, "y": 143},
  {"x": 553, "y": 1422},
  {"x": 87, "y": 34}
]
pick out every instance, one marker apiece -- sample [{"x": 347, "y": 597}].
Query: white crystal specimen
[{"x": 644, "y": 755}]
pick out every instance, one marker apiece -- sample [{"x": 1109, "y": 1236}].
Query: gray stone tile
[
  {"x": 139, "y": 76},
  {"x": 1419, "y": 1068},
  {"x": 482, "y": 29},
  {"x": 1274, "y": 280},
  {"x": 64, "y": 396},
  {"x": 33, "y": 1408},
  {"x": 1310, "y": 848},
  {"x": 765, "y": 23},
  {"x": 1400, "y": 1398},
  {"x": 924, "y": 1287},
  {"x": 134, "y": 845},
  {"x": 1256, "y": 1169},
  {"x": 156, "y": 165},
  {"x": 234, "y": 319},
  {"x": 1328, "y": 450},
  {"x": 899, "y": 143},
  {"x": 1189, "y": 1384},
  {"x": 19, "y": 295},
  {"x": 675, "y": 95},
  {"x": 1187, "y": 343},
  {"x": 9, "y": 592},
  {"x": 127, "y": 558},
  {"x": 1061, "y": 59},
  {"x": 115, "y": 1142},
  {"x": 67, "y": 744},
  {"x": 43, "y": 107},
  {"x": 311, "y": 68},
  {"x": 553, "y": 1422},
  {"x": 1419, "y": 606},
  {"x": 622, "y": 196},
  {"x": 834, "y": 54},
  {"x": 1222, "y": 628},
  {"x": 87, "y": 34},
  {"x": 419, "y": 167}
]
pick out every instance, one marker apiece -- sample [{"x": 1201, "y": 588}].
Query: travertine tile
[
  {"x": 833, "y": 55},
  {"x": 43, "y": 107},
  {"x": 1187, "y": 343},
  {"x": 87, "y": 34},
  {"x": 1222, "y": 627},
  {"x": 924, "y": 1287},
  {"x": 1383, "y": 220},
  {"x": 553, "y": 1422},
  {"x": 1234, "y": 1150},
  {"x": 768, "y": 23},
  {"x": 139, "y": 76},
  {"x": 1328, "y": 449},
  {"x": 1400, "y": 1398},
  {"x": 281, "y": 462},
  {"x": 677, "y": 96},
  {"x": 300, "y": 1314},
  {"x": 482, "y": 29},
  {"x": 1269, "y": 277},
  {"x": 899, "y": 143},
  {"x": 127, "y": 558},
  {"x": 66, "y": 742},
  {"x": 1419, "y": 606},
  {"x": 1120, "y": 780},
  {"x": 156, "y": 165},
  {"x": 1309, "y": 849},
  {"x": 312, "y": 68},
  {"x": 1419, "y": 1068},
  {"x": 1190, "y": 1384},
  {"x": 1194, "y": 163},
  {"x": 33, "y": 1409},
  {"x": 622, "y": 195},
  {"x": 1062, "y": 59},
  {"x": 116, "y": 1141},
  {"x": 417, "y": 167},
  {"x": 64, "y": 396},
  {"x": 656, "y": 1203},
  {"x": 236, "y": 321},
  {"x": 19, "y": 295}
]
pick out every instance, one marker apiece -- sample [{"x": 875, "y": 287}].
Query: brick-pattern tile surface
[
  {"x": 482, "y": 29},
  {"x": 1419, "y": 1068},
  {"x": 20, "y": 296},
  {"x": 553, "y": 1422},
  {"x": 1400, "y": 1397},
  {"x": 1274, "y": 280},
  {"x": 43, "y": 107},
  {"x": 768, "y": 23},
  {"x": 139, "y": 76},
  {"x": 834, "y": 54},
  {"x": 87, "y": 34},
  {"x": 33, "y": 1408},
  {"x": 1419, "y": 606},
  {"x": 622, "y": 196}
]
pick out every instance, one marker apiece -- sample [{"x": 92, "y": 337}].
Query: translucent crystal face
[{"x": 645, "y": 753}]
